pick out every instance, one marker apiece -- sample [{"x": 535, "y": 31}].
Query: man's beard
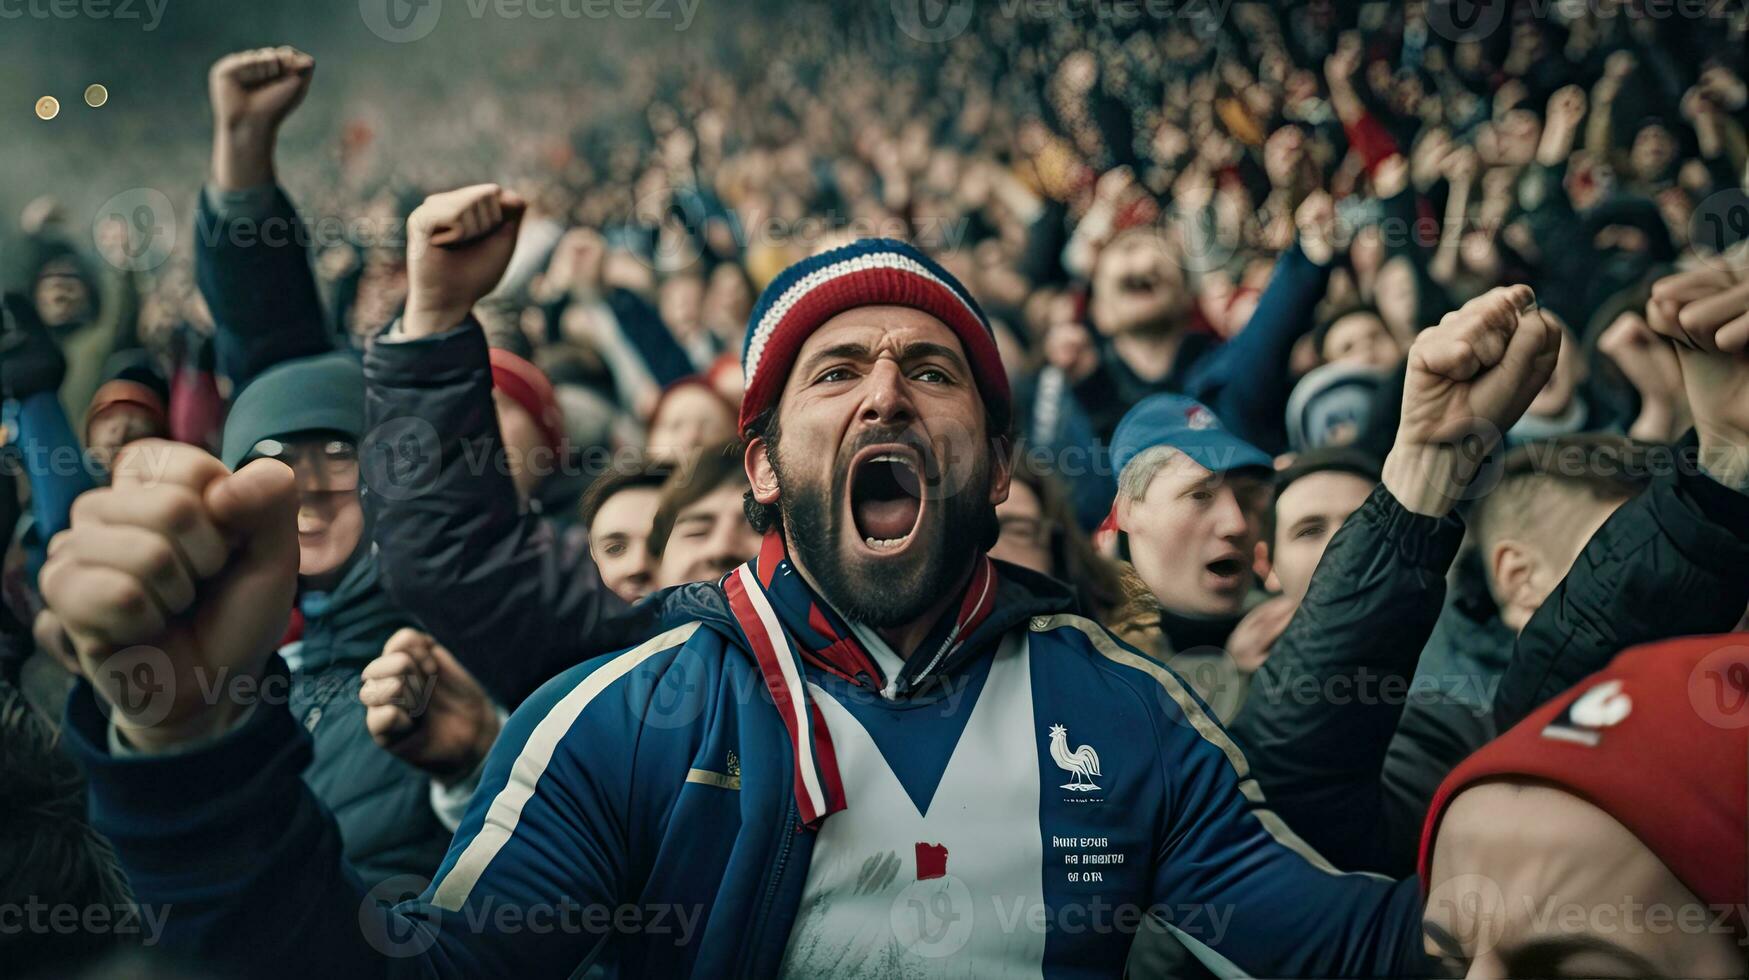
[{"x": 886, "y": 593}]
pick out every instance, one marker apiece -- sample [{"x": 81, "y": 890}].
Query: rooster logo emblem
[{"x": 1082, "y": 763}]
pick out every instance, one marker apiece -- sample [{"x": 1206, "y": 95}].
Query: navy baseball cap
[{"x": 1188, "y": 426}]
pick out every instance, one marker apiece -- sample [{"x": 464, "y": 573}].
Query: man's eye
[
  {"x": 836, "y": 374},
  {"x": 614, "y": 550},
  {"x": 1310, "y": 532},
  {"x": 934, "y": 376},
  {"x": 1204, "y": 495}
]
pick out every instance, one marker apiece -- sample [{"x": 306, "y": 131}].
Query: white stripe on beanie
[{"x": 868, "y": 262}]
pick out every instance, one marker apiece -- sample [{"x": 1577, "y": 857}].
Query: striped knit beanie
[{"x": 867, "y": 272}]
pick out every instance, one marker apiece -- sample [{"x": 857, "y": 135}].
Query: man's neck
[{"x": 907, "y": 637}]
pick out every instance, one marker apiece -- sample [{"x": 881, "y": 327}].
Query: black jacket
[
  {"x": 1326, "y": 704},
  {"x": 513, "y": 595},
  {"x": 1326, "y": 729},
  {"x": 382, "y": 804}
]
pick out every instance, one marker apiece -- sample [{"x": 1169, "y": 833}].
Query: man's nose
[
  {"x": 1230, "y": 520},
  {"x": 886, "y": 399}
]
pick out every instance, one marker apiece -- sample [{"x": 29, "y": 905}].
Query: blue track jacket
[{"x": 638, "y": 812}]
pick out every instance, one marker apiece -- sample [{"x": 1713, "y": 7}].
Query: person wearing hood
[
  {"x": 90, "y": 316},
  {"x": 309, "y": 414}
]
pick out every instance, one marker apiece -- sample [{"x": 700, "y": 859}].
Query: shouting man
[{"x": 870, "y": 748}]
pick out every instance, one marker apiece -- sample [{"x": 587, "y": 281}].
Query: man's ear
[
  {"x": 1001, "y": 469},
  {"x": 1512, "y": 566},
  {"x": 1263, "y": 568},
  {"x": 761, "y": 475},
  {"x": 1122, "y": 507}
]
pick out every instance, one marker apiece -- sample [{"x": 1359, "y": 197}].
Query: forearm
[
  {"x": 243, "y": 156},
  {"x": 221, "y": 838},
  {"x": 252, "y": 264},
  {"x": 1321, "y": 716},
  {"x": 53, "y": 462},
  {"x": 500, "y": 587},
  {"x": 1248, "y": 379}
]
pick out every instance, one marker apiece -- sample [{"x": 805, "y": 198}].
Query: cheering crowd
[{"x": 1261, "y": 491}]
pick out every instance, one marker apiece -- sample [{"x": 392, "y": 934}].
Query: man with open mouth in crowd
[{"x": 870, "y": 744}]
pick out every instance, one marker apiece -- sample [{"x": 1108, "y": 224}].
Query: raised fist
[
  {"x": 258, "y": 89},
  {"x": 1567, "y": 106},
  {"x": 458, "y": 245},
  {"x": 1470, "y": 379},
  {"x": 252, "y": 92},
  {"x": 172, "y": 581},
  {"x": 423, "y": 706},
  {"x": 1478, "y": 369},
  {"x": 1705, "y": 314}
]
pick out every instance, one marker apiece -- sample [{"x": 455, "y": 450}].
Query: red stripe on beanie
[{"x": 875, "y": 287}]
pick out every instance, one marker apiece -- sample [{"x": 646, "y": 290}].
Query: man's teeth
[{"x": 884, "y": 544}]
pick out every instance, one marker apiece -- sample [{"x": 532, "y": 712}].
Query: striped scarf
[{"x": 788, "y": 627}]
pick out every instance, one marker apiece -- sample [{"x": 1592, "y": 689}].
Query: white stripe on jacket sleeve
[{"x": 531, "y": 763}]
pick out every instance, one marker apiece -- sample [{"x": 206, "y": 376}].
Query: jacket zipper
[{"x": 789, "y": 833}]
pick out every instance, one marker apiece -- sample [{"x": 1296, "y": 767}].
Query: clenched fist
[
  {"x": 182, "y": 573},
  {"x": 458, "y": 245},
  {"x": 1704, "y": 313},
  {"x": 1470, "y": 379},
  {"x": 423, "y": 706},
  {"x": 252, "y": 92}
]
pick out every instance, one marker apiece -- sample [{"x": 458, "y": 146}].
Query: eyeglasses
[{"x": 331, "y": 464}]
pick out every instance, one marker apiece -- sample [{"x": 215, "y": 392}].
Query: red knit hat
[
  {"x": 1659, "y": 740},
  {"x": 867, "y": 272},
  {"x": 527, "y": 386},
  {"x": 124, "y": 392}
]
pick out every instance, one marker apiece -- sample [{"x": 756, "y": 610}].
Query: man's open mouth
[
  {"x": 1230, "y": 571},
  {"x": 886, "y": 491},
  {"x": 1139, "y": 282}
]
